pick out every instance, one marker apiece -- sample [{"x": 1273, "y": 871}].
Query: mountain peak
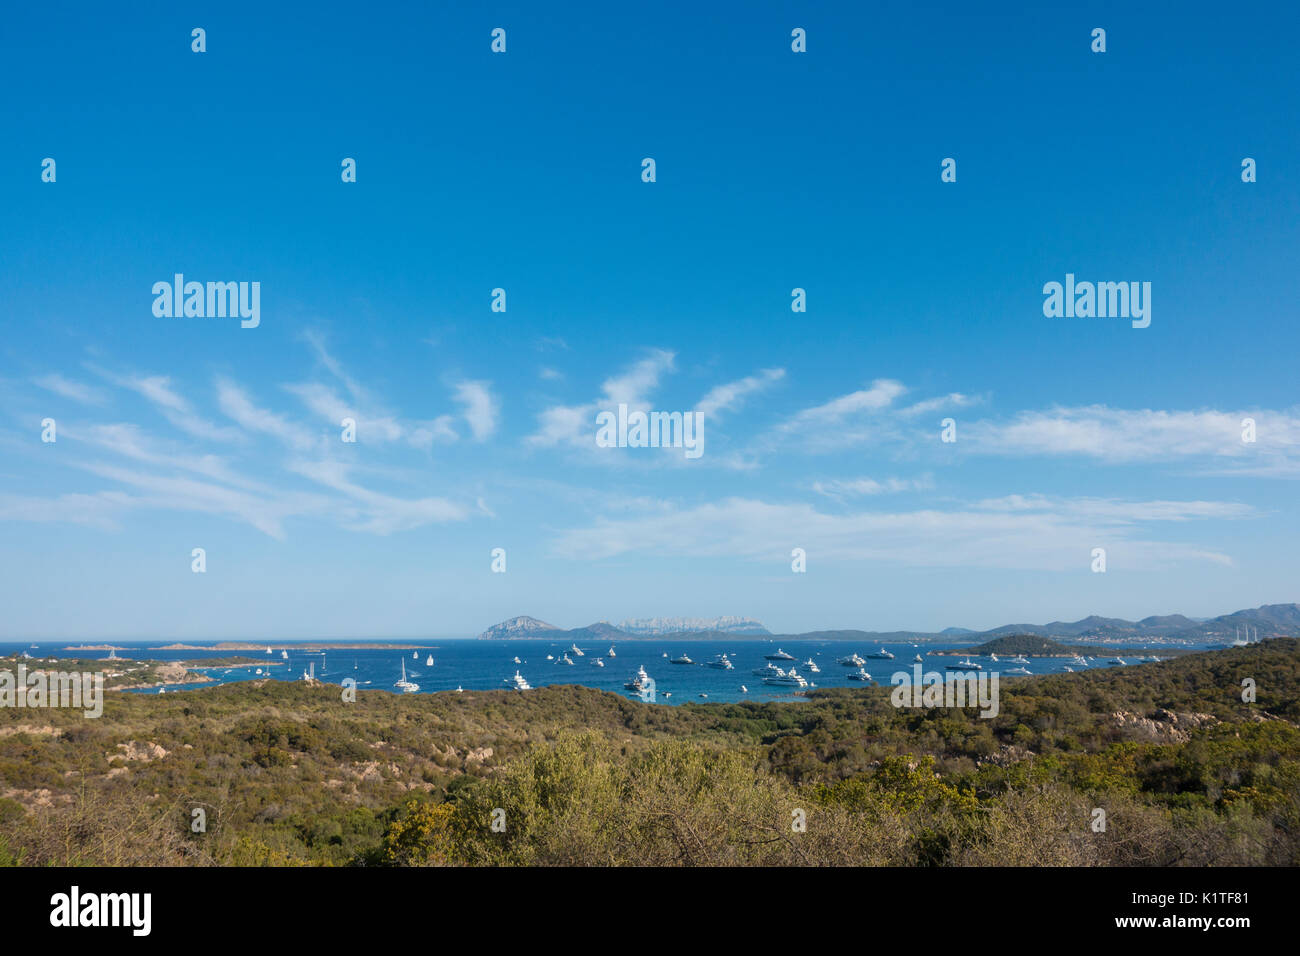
[{"x": 522, "y": 626}]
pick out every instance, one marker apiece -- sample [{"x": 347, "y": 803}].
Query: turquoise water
[{"x": 486, "y": 665}]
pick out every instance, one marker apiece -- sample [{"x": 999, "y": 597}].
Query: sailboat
[
  {"x": 611, "y": 651},
  {"x": 415, "y": 655},
  {"x": 404, "y": 685},
  {"x": 268, "y": 650},
  {"x": 284, "y": 655},
  {"x": 429, "y": 661}
]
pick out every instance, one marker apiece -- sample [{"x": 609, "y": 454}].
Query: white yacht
[
  {"x": 860, "y": 674},
  {"x": 812, "y": 666},
  {"x": 284, "y": 655},
  {"x": 1069, "y": 669},
  {"x": 566, "y": 659},
  {"x": 681, "y": 660},
  {"x": 780, "y": 655},
  {"x": 577, "y": 652},
  {"x": 993, "y": 657},
  {"x": 404, "y": 685},
  {"x": 917, "y": 659},
  {"x": 1153, "y": 659},
  {"x": 1020, "y": 659},
  {"x": 853, "y": 660},
  {"x": 965, "y": 665},
  {"x": 1116, "y": 660},
  {"x": 611, "y": 651},
  {"x": 429, "y": 661},
  {"x": 744, "y": 689},
  {"x": 415, "y": 655},
  {"x": 268, "y": 650},
  {"x": 767, "y": 670},
  {"x": 640, "y": 681},
  {"x": 518, "y": 661},
  {"x": 786, "y": 679},
  {"x": 516, "y": 683},
  {"x": 720, "y": 662},
  {"x": 1018, "y": 670},
  {"x": 881, "y": 655}
]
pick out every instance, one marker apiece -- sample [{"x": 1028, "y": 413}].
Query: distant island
[
  {"x": 1266, "y": 621},
  {"x": 1031, "y": 645}
]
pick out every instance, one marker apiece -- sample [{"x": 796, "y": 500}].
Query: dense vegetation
[{"x": 286, "y": 773}]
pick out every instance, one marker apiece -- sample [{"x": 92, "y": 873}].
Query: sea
[{"x": 477, "y": 665}]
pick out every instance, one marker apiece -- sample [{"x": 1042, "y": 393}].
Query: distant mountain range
[{"x": 1270, "y": 620}]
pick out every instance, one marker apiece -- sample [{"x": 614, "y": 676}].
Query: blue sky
[{"x": 522, "y": 171}]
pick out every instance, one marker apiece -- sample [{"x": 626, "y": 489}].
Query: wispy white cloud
[
  {"x": 858, "y": 487},
  {"x": 1048, "y": 535},
  {"x": 235, "y": 402},
  {"x": 724, "y": 398},
  {"x": 77, "y": 391},
  {"x": 1118, "y": 436},
  {"x": 480, "y": 408}
]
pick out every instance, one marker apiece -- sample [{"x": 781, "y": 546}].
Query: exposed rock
[
  {"x": 132, "y": 750},
  {"x": 1164, "y": 726}
]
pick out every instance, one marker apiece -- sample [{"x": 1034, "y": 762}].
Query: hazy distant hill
[
  {"x": 659, "y": 626},
  {"x": 1271, "y": 620}
]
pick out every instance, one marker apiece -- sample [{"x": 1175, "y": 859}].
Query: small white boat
[
  {"x": 268, "y": 650},
  {"x": 518, "y": 661},
  {"x": 429, "y": 661},
  {"x": 576, "y": 651},
  {"x": 284, "y": 655},
  {"x": 966, "y": 665},
  {"x": 611, "y": 651},
  {"x": 744, "y": 689},
  {"x": 881, "y": 655},
  {"x": 1069, "y": 669},
  {"x": 860, "y": 674},
  {"x": 549, "y": 657},
  {"x": 780, "y": 655},
  {"x": 566, "y": 659},
  {"x": 1117, "y": 660},
  {"x": 404, "y": 685},
  {"x": 598, "y": 662},
  {"x": 917, "y": 659},
  {"x": 1020, "y": 659},
  {"x": 1018, "y": 670},
  {"x": 993, "y": 657},
  {"x": 812, "y": 666},
  {"x": 681, "y": 660}
]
